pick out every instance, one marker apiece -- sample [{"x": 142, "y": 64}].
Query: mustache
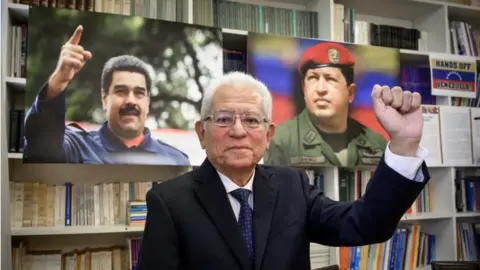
[
  {"x": 322, "y": 99},
  {"x": 129, "y": 110}
]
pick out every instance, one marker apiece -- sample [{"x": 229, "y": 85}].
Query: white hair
[{"x": 233, "y": 79}]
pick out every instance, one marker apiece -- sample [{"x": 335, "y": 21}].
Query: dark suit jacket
[{"x": 191, "y": 225}]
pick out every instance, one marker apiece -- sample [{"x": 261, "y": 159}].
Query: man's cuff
[
  {"x": 41, "y": 104},
  {"x": 406, "y": 166}
]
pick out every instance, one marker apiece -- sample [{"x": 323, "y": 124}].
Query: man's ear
[
  {"x": 200, "y": 130},
  {"x": 270, "y": 133},
  {"x": 352, "y": 90}
]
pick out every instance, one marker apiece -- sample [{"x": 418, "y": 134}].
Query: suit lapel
[
  {"x": 213, "y": 197},
  {"x": 265, "y": 189}
]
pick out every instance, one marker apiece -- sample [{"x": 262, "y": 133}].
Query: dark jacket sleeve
[
  {"x": 45, "y": 129},
  {"x": 159, "y": 248},
  {"x": 371, "y": 219}
]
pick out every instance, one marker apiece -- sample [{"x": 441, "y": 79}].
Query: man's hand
[
  {"x": 71, "y": 61},
  {"x": 400, "y": 115}
]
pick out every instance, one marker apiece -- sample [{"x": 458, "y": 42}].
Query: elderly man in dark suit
[{"x": 232, "y": 213}]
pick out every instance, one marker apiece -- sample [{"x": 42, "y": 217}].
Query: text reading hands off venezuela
[{"x": 454, "y": 75}]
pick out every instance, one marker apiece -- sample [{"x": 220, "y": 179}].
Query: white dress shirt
[{"x": 409, "y": 167}]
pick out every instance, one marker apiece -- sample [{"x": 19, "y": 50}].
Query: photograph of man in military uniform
[
  {"x": 109, "y": 89},
  {"x": 323, "y": 132}
]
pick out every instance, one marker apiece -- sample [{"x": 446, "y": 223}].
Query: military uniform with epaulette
[{"x": 298, "y": 142}]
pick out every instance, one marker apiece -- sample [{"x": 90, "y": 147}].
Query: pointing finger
[{"x": 77, "y": 35}]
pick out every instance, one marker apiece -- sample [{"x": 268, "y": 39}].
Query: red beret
[{"x": 326, "y": 54}]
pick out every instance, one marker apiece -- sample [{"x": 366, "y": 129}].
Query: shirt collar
[{"x": 231, "y": 186}]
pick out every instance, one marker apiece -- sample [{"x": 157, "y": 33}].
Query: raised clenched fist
[
  {"x": 71, "y": 61},
  {"x": 399, "y": 113}
]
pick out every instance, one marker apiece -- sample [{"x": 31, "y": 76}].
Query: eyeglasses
[{"x": 225, "y": 119}]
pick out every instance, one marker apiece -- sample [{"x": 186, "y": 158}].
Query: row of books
[
  {"x": 134, "y": 245},
  {"x": 18, "y": 51},
  {"x": 35, "y": 204},
  {"x": 226, "y": 14},
  {"x": 16, "y": 129},
  {"x": 464, "y": 39},
  {"x": 136, "y": 213},
  {"x": 265, "y": 19},
  {"x": 467, "y": 192},
  {"x": 114, "y": 258},
  {"x": 468, "y": 241},
  {"x": 171, "y": 10},
  {"x": 347, "y": 29},
  {"x": 353, "y": 186},
  {"x": 408, "y": 249}
]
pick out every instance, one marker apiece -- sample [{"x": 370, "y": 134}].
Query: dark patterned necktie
[{"x": 245, "y": 219}]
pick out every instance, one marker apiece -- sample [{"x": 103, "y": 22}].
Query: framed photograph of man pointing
[
  {"x": 325, "y": 89},
  {"x": 113, "y": 89}
]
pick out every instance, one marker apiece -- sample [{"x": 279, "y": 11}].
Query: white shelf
[
  {"x": 15, "y": 155},
  {"x": 234, "y": 32},
  {"x": 426, "y": 216},
  {"x": 74, "y": 230},
  {"x": 412, "y": 52},
  {"x": 468, "y": 215},
  {"x": 18, "y": 11},
  {"x": 16, "y": 83}
]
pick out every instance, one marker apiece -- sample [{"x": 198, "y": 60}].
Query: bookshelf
[
  {"x": 88, "y": 230},
  {"x": 432, "y": 17}
]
